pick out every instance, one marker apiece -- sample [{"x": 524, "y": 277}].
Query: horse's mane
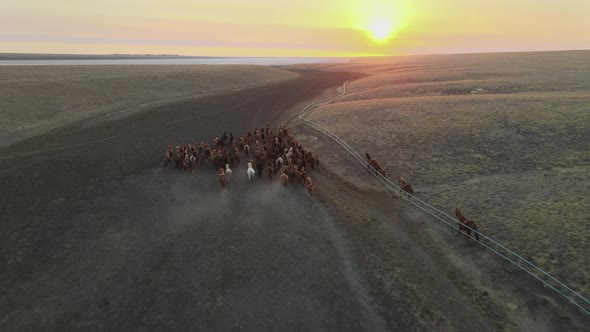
[
  {"x": 460, "y": 214},
  {"x": 368, "y": 156}
]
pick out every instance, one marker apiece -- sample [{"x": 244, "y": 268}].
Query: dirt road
[{"x": 95, "y": 235}]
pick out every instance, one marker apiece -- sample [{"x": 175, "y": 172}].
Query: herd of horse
[
  {"x": 465, "y": 226},
  {"x": 274, "y": 154}
]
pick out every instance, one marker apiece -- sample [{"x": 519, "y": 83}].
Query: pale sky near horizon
[{"x": 292, "y": 27}]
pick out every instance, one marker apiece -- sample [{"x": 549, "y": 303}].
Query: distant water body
[{"x": 181, "y": 61}]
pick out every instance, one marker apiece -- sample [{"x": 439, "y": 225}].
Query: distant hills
[{"x": 49, "y": 56}]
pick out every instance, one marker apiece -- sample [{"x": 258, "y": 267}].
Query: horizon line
[{"x": 286, "y": 57}]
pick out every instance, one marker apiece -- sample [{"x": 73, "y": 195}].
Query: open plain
[
  {"x": 38, "y": 99},
  {"x": 503, "y": 136},
  {"x": 96, "y": 235}
]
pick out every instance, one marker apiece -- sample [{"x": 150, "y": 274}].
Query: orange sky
[{"x": 292, "y": 28}]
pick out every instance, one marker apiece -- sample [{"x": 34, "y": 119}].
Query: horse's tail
[{"x": 475, "y": 231}]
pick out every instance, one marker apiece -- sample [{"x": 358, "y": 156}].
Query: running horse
[
  {"x": 186, "y": 163},
  {"x": 193, "y": 163},
  {"x": 405, "y": 186},
  {"x": 284, "y": 178},
  {"x": 237, "y": 155},
  {"x": 466, "y": 225},
  {"x": 250, "y": 173},
  {"x": 221, "y": 178},
  {"x": 374, "y": 166},
  {"x": 228, "y": 173},
  {"x": 310, "y": 186},
  {"x": 169, "y": 159},
  {"x": 270, "y": 171}
]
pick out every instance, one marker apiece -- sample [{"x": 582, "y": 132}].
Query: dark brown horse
[
  {"x": 284, "y": 180},
  {"x": 406, "y": 186},
  {"x": 185, "y": 163},
  {"x": 374, "y": 166},
  {"x": 270, "y": 171},
  {"x": 208, "y": 153},
  {"x": 221, "y": 178},
  {"x": 303, "y": 175},
  {"x": 298, "y": 176},
  {"x": 311, "y": 162},
  {"x": 169, "y": 159},
  {"x": 466, "y": 225}
]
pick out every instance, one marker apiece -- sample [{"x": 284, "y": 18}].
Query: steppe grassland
[
  {"x": 504, "y": 136},
  {"x": 36, "y": 99}
]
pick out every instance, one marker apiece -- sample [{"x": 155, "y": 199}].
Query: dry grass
[
  {"x": 505, "y": 136},
  {"x": 35, "y": 99}
]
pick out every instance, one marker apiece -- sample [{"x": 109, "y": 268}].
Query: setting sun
[
  {"x": 381, "y": 30},
  {"x": 381, "y": 20}
]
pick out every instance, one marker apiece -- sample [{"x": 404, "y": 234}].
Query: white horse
[
  {"x": 227, "y": 173},
  {"x": 250, "y": 173},
  {"x": 193, "y": 161}
]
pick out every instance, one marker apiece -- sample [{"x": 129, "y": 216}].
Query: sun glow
[
  {"x": 381, "y": 19},
  {"x": 381, "y": 30}
]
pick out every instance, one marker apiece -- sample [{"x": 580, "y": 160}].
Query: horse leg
[{"x": 475, "y": 232}]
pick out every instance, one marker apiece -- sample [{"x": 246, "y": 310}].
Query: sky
[{"x": 291, "y": 28}]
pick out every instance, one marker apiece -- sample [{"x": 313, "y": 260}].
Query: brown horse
[
  {"x": 270, "y": 171},
  {"x": 290, "y": 173},
  {"x": 185, "y": 163},
  {"x": 466, "y": 225},
  {"x": 311, "y": 162},
  {"x": 377, "y": 167},
  {"x": 406, "y": 186},
  {"x": 221, "y": 178},
  {"x": 298, "y": 176},
  {"x": 303, "y": 175},
  {"x": 169, "y": 159},
  {"x": 374, "y": 166},
  {"x": 237, "y": 156},
  {"x": 310, "y": 186},
  {"x": 284, "y": 179}
]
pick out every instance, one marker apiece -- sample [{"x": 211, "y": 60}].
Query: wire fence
[{"x": 517, "y": 260}]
